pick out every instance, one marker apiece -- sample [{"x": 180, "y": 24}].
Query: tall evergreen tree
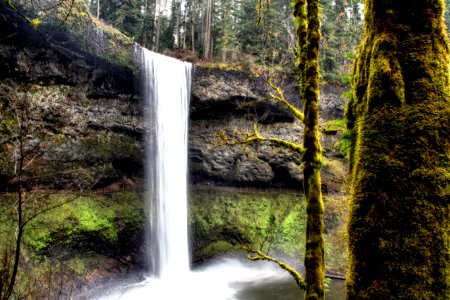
[
  {"x": 341, "y": 29},
  {"x": 208, "y": 28},
  {"x": 399, "y": 219},
  {"x": 128, "y": 17},
  {"x": 169, "y": 24}
]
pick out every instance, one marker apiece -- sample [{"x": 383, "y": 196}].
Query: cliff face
[
  {"x": 85, "y": 117},
  {"x": 81, "y": 117},
  {"x": 226, "y": 101}
]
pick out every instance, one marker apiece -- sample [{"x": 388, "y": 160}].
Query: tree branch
[
  {"x": 259, "y": 255},
  {"x": 246, "y": 138},
  {"x": 279, "y": 96}
]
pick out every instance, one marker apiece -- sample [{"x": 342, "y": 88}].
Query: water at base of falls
[{"x": 221, "y": 281}]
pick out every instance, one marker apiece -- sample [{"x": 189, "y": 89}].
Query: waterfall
[{"x": 167, "y": 83}]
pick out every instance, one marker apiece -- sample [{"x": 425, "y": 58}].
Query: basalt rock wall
[
  {"x": 84, "y": 121},
  {"x": 81, "y": 116},
  {"x": 231, "y": 102}
]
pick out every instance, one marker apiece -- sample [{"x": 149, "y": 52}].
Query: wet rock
[
  {"x": 69, "y": 98},
  {"x": 226, "y": 101}
]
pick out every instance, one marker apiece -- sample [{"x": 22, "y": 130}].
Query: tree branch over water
[{"x": 254, "y": 255}]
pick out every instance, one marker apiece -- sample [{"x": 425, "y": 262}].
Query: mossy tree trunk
[
  {"x": 308, "y": 33},
  {"x": 399, "y": 220}
]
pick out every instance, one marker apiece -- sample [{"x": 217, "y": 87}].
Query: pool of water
[
  {"x": 229, "y": 279},
  {"x": 283, "y": 288}
]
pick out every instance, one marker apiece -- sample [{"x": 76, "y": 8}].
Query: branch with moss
[
  {"x": 254, "y": 255},
  {"x": 246, "y": 138},
  {"x": 279, "y": 96}
]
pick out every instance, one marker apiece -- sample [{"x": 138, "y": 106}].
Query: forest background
[{"x": 228, "y": 30}]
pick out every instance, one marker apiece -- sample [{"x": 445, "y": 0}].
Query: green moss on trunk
[
  {"x": 399, "y": 220},
  {"x": 301, "y": 27},
  {"x": 308, "y": 32}
]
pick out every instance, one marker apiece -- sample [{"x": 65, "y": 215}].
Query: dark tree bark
[{"x": 399, "y": 220}]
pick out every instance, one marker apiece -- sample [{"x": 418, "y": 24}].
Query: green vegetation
[
  {"x": 339, "y": 125},
  {"x": 63, "y": 238},
  {"x": 73, "y": 20},
  {"x": 334, "y": 125},
  {"x": 69, "y": 222},
  {"x": 247, "y": 218},
  {"x": 221, "y": 221}
]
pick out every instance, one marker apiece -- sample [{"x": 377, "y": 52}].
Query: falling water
[
  {"x": 167, "y": 84},
  {"x": 166, "y": 89}
]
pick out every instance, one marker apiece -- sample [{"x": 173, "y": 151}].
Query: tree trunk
[
  {"x": 312, "y": 159},
  {"x": 225, "y": 36},
  {"x": 177, "y": 25},
  {"x": 19, "y": 232},
  {"x": 399, "y": 114},
  {"x": 207, "y": 30},
  {"x": 144, "y": 34},
  {"x": 185, "y": 27},
  {"x": 158, "y": 17},
  {"x": 193, "y": 37},
  {"x": 308, "y": 32}
]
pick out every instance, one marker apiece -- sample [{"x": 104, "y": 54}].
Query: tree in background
[
  {"x": 128, "y": 17},
  {"x": 207, "y": 36},
  {"x": 227, "y": 40},
  {"x": 399, "y": 114},
  {"x": 148, "y": 24},
  {"x": 341, "y": 30}
]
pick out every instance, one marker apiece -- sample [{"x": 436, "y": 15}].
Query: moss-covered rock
[
  {"x": 69, "y": 27},
  {"x": 72, "y": 240},
  {"x": 66, "y": 226},
  {"x": 222, "y": 220}
]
